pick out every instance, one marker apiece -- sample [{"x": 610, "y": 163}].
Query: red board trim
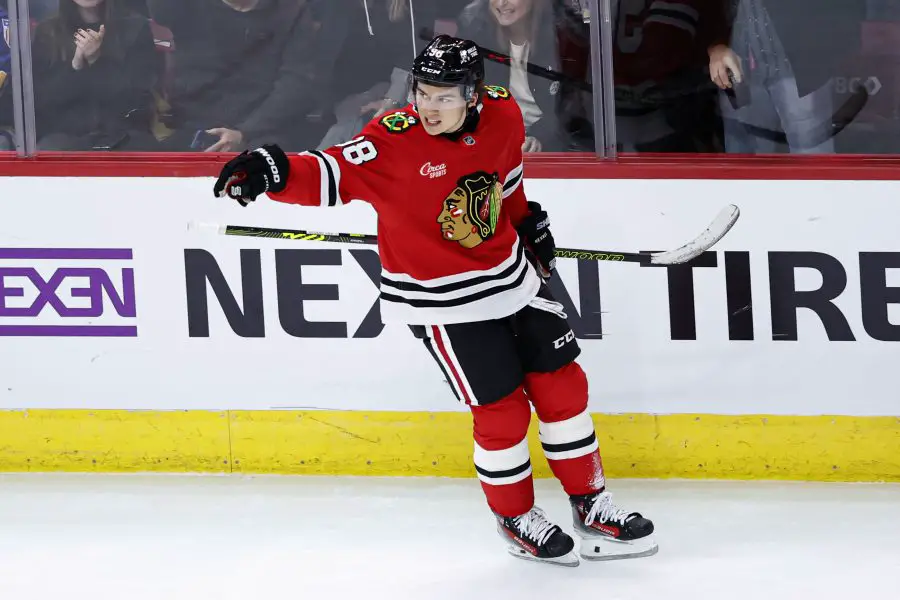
[{"x": 539, "y": 166}]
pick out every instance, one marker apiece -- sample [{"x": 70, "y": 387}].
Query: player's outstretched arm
[{"x": 358, "y": 169}]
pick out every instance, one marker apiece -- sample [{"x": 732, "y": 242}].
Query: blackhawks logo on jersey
[
  {"x": 470, "y": 212},
  {"x": 398, "y": 122},
  {"x": 497, "y": 92}
]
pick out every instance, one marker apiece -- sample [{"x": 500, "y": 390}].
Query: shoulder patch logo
[
  {"x": 497, "y": 92},
  {"x": 398, "y": 122}
]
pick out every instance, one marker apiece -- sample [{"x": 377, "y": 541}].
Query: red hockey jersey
[
  {"x": 655, "y": 38},
  {"x": 447, "y": 211}
]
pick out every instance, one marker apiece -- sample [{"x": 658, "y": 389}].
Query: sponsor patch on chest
[{"x": 433, "y": 171}]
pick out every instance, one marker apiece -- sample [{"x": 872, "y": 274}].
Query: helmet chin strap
[
  {"x": 468, "y": 125},
  {"x": 462, "y": 122}
]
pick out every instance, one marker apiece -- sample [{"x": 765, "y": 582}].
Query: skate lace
[
  {"x": 534, "y": 525},
  {"x": 604, "y": 510}
]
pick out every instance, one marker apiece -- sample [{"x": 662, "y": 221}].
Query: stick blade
[{"x": 721, "y": 225}]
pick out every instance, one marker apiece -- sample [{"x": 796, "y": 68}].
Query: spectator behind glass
[
  {"x": 6, "y": 108},
  {"x": 783, "y": 55},
  {"x": 94, "y": 72},
  {"x": 664, "y": 99},
  {"x": 371, "y": 42},
  {"x": 244, "y": 73},
  {"x": 526, "y": 31}
]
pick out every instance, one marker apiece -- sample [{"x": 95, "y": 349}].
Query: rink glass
[{"x": 604, "y": 77}]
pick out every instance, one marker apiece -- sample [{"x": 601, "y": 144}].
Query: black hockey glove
[
  {"x": 535, "y": 230},
  {"x": 250, "y": 174}
]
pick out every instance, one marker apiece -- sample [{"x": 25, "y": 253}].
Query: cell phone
[
  {"x": 739, "y": 94},
  {"x": 203, "y": 140}
]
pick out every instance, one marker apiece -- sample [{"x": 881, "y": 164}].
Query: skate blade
[
  {"x": 567, "y": 560},
  {"x": 603, "y": 548}
]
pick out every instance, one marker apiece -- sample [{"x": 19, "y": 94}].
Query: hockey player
[{"x": 445, "y": 178}]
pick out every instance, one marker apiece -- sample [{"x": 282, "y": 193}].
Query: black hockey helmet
[{"x": 448, "y": 61}]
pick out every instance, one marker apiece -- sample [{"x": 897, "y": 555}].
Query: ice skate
[
  {"x": 532, "y": 537},
  {"x": 608, "y": 532}
]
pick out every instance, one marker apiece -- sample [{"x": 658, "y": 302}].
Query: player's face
[
  {"x": 508, "y": 12},
  {"x": 442, "y": 109}
]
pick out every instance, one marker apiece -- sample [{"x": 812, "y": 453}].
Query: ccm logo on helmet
[
  {"x": 275, "y": 174},
  {"x": 557, "y": 344}
]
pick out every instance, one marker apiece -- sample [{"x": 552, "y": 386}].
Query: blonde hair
[{"x": 535, "y": 17}]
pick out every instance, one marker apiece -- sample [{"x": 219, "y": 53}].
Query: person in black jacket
[
  {"x": 94, "y": 72},
  {"x": 556, "y": 108},
  {"x": 245, "y": 71},
  {"x": 783, "y": 56},
  {"x": 364, "y": 66}
]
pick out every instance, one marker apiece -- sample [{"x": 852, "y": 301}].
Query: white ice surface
[{"x": 259, "y": 538}]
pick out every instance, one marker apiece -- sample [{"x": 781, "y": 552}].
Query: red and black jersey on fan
[
  {"x": 447, "y": 210},
  {"x": 654, "y": 39}
]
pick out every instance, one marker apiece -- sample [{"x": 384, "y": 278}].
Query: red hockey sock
[
  {"x": 501, "y": 454},
  {"x": 567, "y": 432}
]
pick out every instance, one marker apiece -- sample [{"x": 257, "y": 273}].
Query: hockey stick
[{"x": 716, "y": 230}]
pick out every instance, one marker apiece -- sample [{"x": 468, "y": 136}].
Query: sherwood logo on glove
[
  {"x": 65, "y": 292},
  {"x": 275, "y": 174}
]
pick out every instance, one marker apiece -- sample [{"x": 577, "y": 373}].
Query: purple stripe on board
[
  {"x": 66, "y": 253},
  {"x": 68, "y": 331}
]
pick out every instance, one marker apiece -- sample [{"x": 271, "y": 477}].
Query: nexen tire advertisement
[{"x": 109, "y": 302}]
